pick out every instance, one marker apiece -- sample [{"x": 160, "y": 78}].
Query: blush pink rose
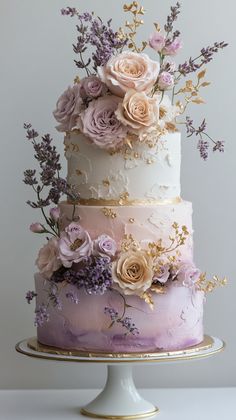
[
  {"x": 68, "y": 108},
  {"x": 74, "y": 245},
  {"x": 100, "y": 124},
  {"x": 138, "y": 111},
  {"x": 173, "y": 48},
  {"x": 129, "y": 70},
  {"x": 92, "y": 87},
  {"x": 157, "y": 41},
  {"x": 48, "y": 258}
]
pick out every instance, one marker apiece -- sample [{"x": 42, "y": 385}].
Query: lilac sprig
[
  {"x": 69, "y": 11},
  {"x": 169, "y": 26},
  {"x": 206, "y": 56},
  {"x": 41, "y": 315},
  {"x": 48, "y": 179},
  {"x": 30, "y": 295},
  {"x": 53, "y": 296},
  {"x": 204, "y": 138},
  {"x": 94, "y": 32},
  {"x": 125, "y": 322}
]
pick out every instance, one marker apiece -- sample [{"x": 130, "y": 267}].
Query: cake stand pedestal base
[{"x": 120, "y": 398}]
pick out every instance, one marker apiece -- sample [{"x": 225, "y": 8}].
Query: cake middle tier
[
  {"x": 146, "y": 223},
  {"x": 139, "y": 172}
]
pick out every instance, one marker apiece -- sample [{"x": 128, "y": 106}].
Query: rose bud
[
  {"x": 157, "y": 41},
  {"x": 173, "y": 48},
  {"x": 37, "y": 228},
  {"x": 165, "y": 81},
  {"x": 55, "y": 214}
]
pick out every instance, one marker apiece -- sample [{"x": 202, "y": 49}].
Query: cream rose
[
  {"x": 138, "y": 111},
  {"x": 48, "y": 259},
  {"x": 133, "y": 272},
  {"x": 129, "y": 70}
]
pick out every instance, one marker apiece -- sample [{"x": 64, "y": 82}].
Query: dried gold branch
[{"x": 136, "y": 11}]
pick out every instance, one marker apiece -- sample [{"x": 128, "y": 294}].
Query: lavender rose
[
  {"x": 157, "y": 41},
  {"x": 92, "y": 87},
  {"x": 188, "y": 274},
  {"x": 104, "y": 245},
  {"x": 68, "y": 108},
  {"x": 165, "y": 81},
  {"x": 162, "y": 274},
  {"x": 74, "y": 245},
  {"x": 173, "y": 48},
  {"x": 48, "y": 259},
  {"x": 100, "y": 124}
]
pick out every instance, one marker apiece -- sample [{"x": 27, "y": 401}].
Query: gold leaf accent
[
  {"x": 207, "y": 286},
  {"x": 106, "y": 182},
  {"x": 131, "y": 220},
  {"x": 198, "y": 100},
  {"x": 158, "y": 288},
  {"x": 171, "y": 127},
  {"x": 124, "y": 198},
  {"x": 147, "y": 297},
  {"x": 76, "y": 79},
  {"x": 202, "y": 74},
  {"x": 109, "y": 213},
  {"x": 205, "y": 84},
  {"x": 79, "y": 172}
]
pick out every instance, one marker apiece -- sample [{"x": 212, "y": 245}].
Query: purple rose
[
  {"x": 100, "y": 124},
  {"x": 173, "y": 48},
  {"x": 68, "y": 108},
  {"x": 92, "y": 87},
  {"x": 157, "y": 41},
  {"x": 74, "y": 245},
  {"x": 165, "y": 81},
  {"x": 104, "y": 245},
  {"x": 162, "y": 274},
  {"x": 188, "y": 274}
]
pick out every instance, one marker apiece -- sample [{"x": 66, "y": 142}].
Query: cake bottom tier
[{"x": 175, "y": 322}]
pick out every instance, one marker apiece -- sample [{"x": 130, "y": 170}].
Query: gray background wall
[{"x": 36, "y": 65}]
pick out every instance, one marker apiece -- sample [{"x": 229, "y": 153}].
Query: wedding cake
[{"x": 117, "y": 271}]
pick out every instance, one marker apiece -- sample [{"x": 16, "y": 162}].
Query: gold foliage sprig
[
  {"x": 179, "y": 237},
  {"x": 191, "y": 92},
  {"x": 131, "y": 28},
  {"x": 207, "y": 286}
]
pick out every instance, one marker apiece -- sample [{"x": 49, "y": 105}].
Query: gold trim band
[
  {"x": 125, "y": 202},
  {"x": 130, "y": 417}
]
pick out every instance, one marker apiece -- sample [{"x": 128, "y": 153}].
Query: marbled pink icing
[
  {"x": 176, "y": 322},
  {"x": 150, "y": 222}
]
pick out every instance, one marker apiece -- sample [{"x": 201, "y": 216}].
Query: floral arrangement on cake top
[{"x": 125, "y": 96}]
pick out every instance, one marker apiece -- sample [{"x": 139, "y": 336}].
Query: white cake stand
[{"x": 120, "y": 398}]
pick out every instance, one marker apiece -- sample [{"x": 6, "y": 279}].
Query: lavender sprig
[
  {"x": 126, "y": 322},
  {"x": 93, "y": 31},
  {"x": 30, "y": 295},
  {"x": 206, "y": 55},
  {"x": 169, "y": 26},
  {"x": 48, "y": 178},
  {"x": 41, "y": 315},
  {"x": 203, "y": 142}
]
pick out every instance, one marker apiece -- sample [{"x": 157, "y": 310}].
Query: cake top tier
[{"x": 138, "y": 175}]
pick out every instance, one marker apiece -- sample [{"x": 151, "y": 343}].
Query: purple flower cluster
[
  {"x": 203, "y": 143},
  {"x": 126, "y": 322},
  {"x": 41, "y": 315},
  {"x": 73, "y": 297},
  {"x": 93, "y": 31},
  {"x": 175, "y": 11},
  {"x": 94, "y": 275},
  {"x": 30, "y": 295},
  {"x": 53, "y": 296}
]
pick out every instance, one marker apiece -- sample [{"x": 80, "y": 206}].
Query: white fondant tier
[
  {"x": 176, "y": 322},
  {"x": 145, "y": 173},
  {"x": 145, "y": 223}
]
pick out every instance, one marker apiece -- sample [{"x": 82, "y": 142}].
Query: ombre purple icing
[{"x": 176, "y": 322}]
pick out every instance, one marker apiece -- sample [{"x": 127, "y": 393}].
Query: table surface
[{"x": 174, "y": 404}]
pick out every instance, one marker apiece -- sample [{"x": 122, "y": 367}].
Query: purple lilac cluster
[
  {"x": 204, "y": 139},
  {"x": 30, "y": 295},
  {"x": 94, "y": 275},
  {"x": 53, "y": 296},
  {"x": 125, "y": 322},
  {"x": 93, "y": 31},
  {"x": 41, "y": 315},
  {"x": 73, "y": 297}
]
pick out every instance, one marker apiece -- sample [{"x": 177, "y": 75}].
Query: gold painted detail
[
  {"x": 72, "y": 147},
  {"x": 208, "y": 286},
  {"x": 106, "y": 182},
  {"x": 124, "y": 201},
  {"x": 206, "y": 344},
  {"x": 86, "y": 413},
  {"x": 109, "y": 213},
  {"x": 131, "y": 220}
]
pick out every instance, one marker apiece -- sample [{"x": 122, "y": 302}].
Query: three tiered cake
[{"x": 117, "y": 273}]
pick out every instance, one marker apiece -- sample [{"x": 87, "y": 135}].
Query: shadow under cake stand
[{"x": 120, "y": 398}]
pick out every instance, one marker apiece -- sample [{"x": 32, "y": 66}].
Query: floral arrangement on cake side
[{"x": 125, "y": 96}]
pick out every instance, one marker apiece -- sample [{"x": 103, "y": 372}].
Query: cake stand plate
[{"x": 120, "y": 398}]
